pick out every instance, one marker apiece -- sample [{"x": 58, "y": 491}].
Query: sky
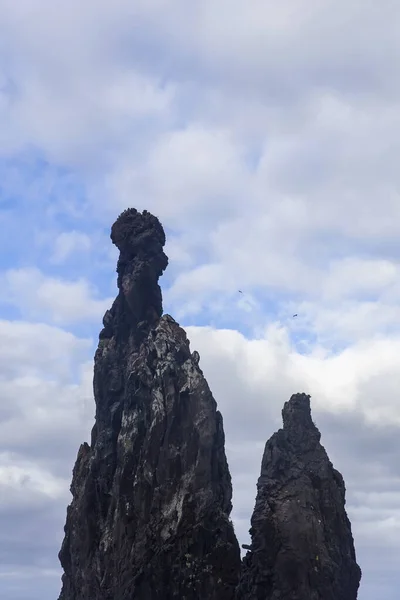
[{"x": 265, "y": 136}]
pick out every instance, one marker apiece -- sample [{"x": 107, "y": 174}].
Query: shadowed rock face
[
  {"x": 302, "y": 547},
  {"x": 149, "y": 519}
]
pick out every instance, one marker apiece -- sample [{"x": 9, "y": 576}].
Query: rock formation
[
  {"x": 149, "y": 518},
  {"x": 302, "y": 547}
]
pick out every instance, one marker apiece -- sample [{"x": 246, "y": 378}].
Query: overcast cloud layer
[{"x": 265, "y": 135}]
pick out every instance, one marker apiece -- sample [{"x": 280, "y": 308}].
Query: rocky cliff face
[
  {"x": 302, "y": 547},
  {"x": 149, "y": 519}
]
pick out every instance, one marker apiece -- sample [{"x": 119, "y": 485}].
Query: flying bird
[
  {"x": 295, "y": 315},
  {"x": 240, "y": 291}
]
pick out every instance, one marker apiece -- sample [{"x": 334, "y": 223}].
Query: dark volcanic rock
[
  {"x": 302, "y": 547},
  {"x": 149, "y": 519}
]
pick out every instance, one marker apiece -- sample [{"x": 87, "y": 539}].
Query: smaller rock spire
[
  {"x": 297, "y": 422},
  {"x": 302, "y": 546}
]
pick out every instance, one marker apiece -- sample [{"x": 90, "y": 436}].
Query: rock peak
[
  {"x": 302, "y": 546},
  {"x": 297, "y": 410},
  {"x": 134, "y": 232},
  {"x": 140, "y": 239},
  {"x": 297, "y": 420}
]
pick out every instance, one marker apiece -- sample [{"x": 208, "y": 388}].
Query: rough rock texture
[
  {"x": 149, "y": 519},
  {"x": 302, "y": 546}
]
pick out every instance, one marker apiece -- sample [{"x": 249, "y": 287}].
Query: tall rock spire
[
  {"x": 149, "y": 518},
  {"x": 302, "y": 546}
]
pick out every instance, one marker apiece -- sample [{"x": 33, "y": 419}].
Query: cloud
[
  {"x": 25, "y": 342},
  {"x": 37, "y": 295},
  {"x": 23, "y": 484},
  {"x": 188, "y": 171},
  {"x": 75, "y": 101},
  {"x": 45, "y": 414},
  {"x": 353, "y": 275},
  {"x": 345, "y": 381},
  {"x": 70, "y": 242},
  {"x": 224, "y": 145},
  {"x": 265, "y": 137}
]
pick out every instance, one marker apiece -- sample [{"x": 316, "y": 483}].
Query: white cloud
[
  {"x": 23, "y": 484},
  {"x": 45, "y": 387},
  {"x": 188, "y": 173},
  {"x": 353, "y": 275},
  {"x": 70, "y": 242},
  {"x": 64, "y": 90},
  {"x": 40, "y": 348},
  {"x": 271, "y": 128},
  {"x": 348, "y": 321},
  {"x": 58, "y": 300},
  {"x": 344, "y": 381}
]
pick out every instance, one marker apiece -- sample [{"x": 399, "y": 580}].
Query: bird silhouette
[{"x": 295, "y": 315}]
